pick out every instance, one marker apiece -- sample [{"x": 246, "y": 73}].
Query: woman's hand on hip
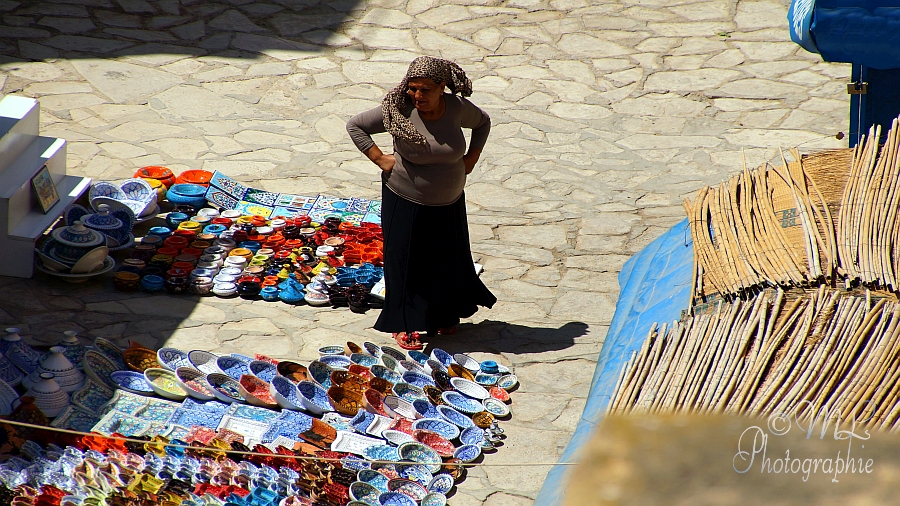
[
  {"x": 386, "y": 162},
  {"x": 470, "y": 159}
]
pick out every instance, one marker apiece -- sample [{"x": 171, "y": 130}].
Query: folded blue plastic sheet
[
  {"x": 864, "y": 32},
  {"x": 655, "y": 286}
]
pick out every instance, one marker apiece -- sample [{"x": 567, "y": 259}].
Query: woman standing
[{"x": 430, "y": 279}]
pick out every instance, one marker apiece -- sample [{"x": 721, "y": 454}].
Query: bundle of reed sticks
[
  {"x": 867, "y": 227},
  {"x": 826, "y": 349},
  {"x": 765, "y": 227}
]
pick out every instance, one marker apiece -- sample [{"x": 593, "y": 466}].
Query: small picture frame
[{"x": 45, "y": 189}]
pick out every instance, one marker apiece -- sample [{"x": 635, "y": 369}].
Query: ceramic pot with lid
[
  {"x": 74, "y": 241},
  {"x": 48, "y": 396}
]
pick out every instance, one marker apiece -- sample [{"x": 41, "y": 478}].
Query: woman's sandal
[{"x": 408, "y": 341}]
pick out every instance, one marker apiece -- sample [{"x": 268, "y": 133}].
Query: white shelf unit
[{"x": 22, "y": 154}]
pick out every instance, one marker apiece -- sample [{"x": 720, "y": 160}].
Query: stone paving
[{"x": 605, "y": 116}]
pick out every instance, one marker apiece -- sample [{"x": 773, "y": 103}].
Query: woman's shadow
[{"x": 491, "y": 336}]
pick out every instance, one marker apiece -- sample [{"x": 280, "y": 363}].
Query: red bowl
[
  {"x": 163, "y": 174},
  {"x": 195, "y": 176}
]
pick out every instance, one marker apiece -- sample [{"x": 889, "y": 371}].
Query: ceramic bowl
[
  {"x": 320, "y": 373},
  {"x": 373, "y": 349},
  {"x": 433, "y": 365},
  {"x": 490, "y": 367},
  {"x": 363, "y": 359},
  {"x": 418, "y": 473},
  {"x": 204, "y": 361},
  {"x": 373, "y": 401},
  {"x": 495, "y": 407},
  {"x": 393, "y": 353},
  {"x": 110, "y": 351},
  {"x": 314, "y": 398},
  {"x": 418, "y": 379},
  {"x": 470, "y": 388},
  {"x": 426, "y": 409},
  {"x": 285, "y": 393},
  {"x": 411, "y": 366},
  {"x": 396, "y": 437},
  {"x": 459, "y": 371},
  {"x": 455, "y": 417},
  {"x": 256, "y": 392},
  {"x": 349, "y": 380},
  {"x": 373, "y": 478},
  {"x": 433, "y": 499},
  {"x": 483, "y": 419},
  {"x": 345, "y": 401},
  {"x": 433, "y": 394},
  {"x": 462, "y": 403},
  {"x": 508, "y": 382},
  {"x": 408, "y": 487},
  {"x": 396, "y": 499},
  {"x": 467, "y": 453},
  {"x": 383, "y": 386},
  {"x": 263, "y": 370},
  {"x": 396, "y": 406},
  {"x": 417, "y": 356},
  {"x": 364, "y": 492},
  {"x": 232, "y": 366},
  {"x": 172, "y": 358},
  {"x": 225, "y": 388},
  {"x": 442, "y": 380},
  {"x": 486, "y": 380},
  {"x": 390, "y": 362},
  {"x": 336, "y": 361},
  {"x": 292, "y": 371},
  {"x": 194, "y": 383},
  {"x": 140, "y": 359},
  {"x": 98, "y": 368},
  {"x": 472, "y": 436},
  {"x": 382, "y": 452},
  {"x": 131, "y": 381},
  {"x": 383, "y": 372},
  {"x": 442, "y": 427},
  {"x": 499, "y": 394},
  {"x": 331, "y": 350},
  {"x": 442, "y": 357},
  {"x": 165, "y": 383},
  {"x": 468, "y": 362},
  {"x": 421, "y": 454},
  {"x": 409, "y": 392},
  {"x": 360, "y": 370},
  {"x": 436, "y": 441}
]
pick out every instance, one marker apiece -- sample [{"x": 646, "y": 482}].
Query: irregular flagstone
[{"x": 124, "y": 81}]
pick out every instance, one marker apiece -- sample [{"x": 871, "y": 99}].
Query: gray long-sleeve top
[{"x": 432, "y": 174}]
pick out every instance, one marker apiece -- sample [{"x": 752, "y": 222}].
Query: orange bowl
[{"x": 195, "y": 176}]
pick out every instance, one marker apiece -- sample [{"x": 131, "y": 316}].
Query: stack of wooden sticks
[
  {"x": 823, "y": 350},
  {"x": 830, "y": 217}
]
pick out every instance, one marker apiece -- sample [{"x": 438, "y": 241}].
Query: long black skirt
[{"x": 430, "y": 282}]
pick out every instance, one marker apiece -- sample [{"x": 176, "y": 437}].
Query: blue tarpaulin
[{"x": 655, "y": 286}]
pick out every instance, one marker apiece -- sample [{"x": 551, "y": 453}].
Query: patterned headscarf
[{"x": 436, "y": 69}]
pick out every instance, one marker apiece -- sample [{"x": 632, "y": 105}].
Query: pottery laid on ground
[
  {"x": 18, "y": 351},
  {"x": 48, "y": 396},
  {"x": 64, "y": 372}
]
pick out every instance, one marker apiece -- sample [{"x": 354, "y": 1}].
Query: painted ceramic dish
[
  {"x": 396, "y": 437},
  {"x": 346, "y": 401},
  {"x": 110, "y": 351},
  {"x": 363, "y": 359},
  {"x": 373, "y": 349},
  {"x": 364, "y": 492},
  {"x": 194, "y": 383},
  {"x": 425, "y": 408},
  {"x": 467, "y": 453},
  {"x": 441, "y": 483},
  {"x": 395, "y": 406},
  {"x": 321, "y": 373},
  {"x": 285, "y": 393},
  {"x": 409, "y": 392},
  {"x": 462, "y": 403},
  {"x": 292, "y": 371},
  {"x": 483, "y": 419},
  {"x": 361, "y": 370},
  {"x": 131, "y": 381},
  {"x": 472, "y": 436},
  {"x": 390, "y": 362},
  {"x": 336, "y": 361},
  {"x": 225, "y": 388},
  {"x": 99, "y": 368},
  {"x": 263, "y": 370},
  {"x": 442, "y": 357},
  {"x": 139, "y": 359},
  {"x": 460, "y": 372},
  {"x": 382, "y": 452},
  {"x": 434, "y": 394},
  {"x": 373, "y": 401},
  {"x": 468, "y": 362},
  {"x": 256, "y": 392},
  {"x": 442, "y": 427},
  {"x": 172, "y": 358},
  {"x": 233, "y": 367},
  {"x": 382, "y": 385},
  {"x": 433, "y": 499},
  {"x": 499, "y": 394},
  {"x": 469, "y": 388},
  {"x": 408, "y": 487},
  {"x": 455, "y": 417},
  {"x": 331, "y": 350},
  {"x": 374, "y": 478},
  {"x": 433, "y": 365},
  {"x": 418, "y": 356},
  {"x": 418, "y": 379},
  {"x": 383, "y": 372},
  {"x": 495, "y": 407},
  {"x": 411, "y": 366},
  {"x": 395, "y": 499},
  {"x": 165, "y": 383},
  {"x": 486, "y": 380},
  {"x": 421, "y": 454},
  {"x": 418, "y": 473},
  {"x": 204, "y": 361},
  {"x": 508, "y": 382},
  {"x": 313, "y": 397},
  {"x": 349, "y": 380},
  {"x": 442, "y": 380},
  {"x": 437, "y": 442}
]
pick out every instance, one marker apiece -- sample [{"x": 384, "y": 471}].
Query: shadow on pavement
[
  {"x": 491, "y": 336},
  {"x": 38, "y": 30}
]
